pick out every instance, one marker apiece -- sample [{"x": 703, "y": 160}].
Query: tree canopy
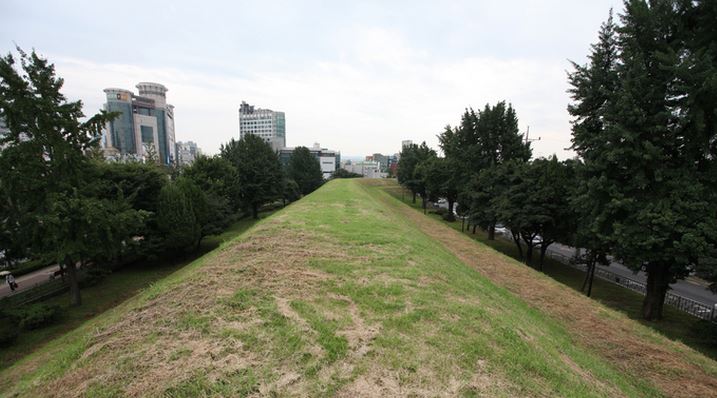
[{"x": 305, "y": 170}]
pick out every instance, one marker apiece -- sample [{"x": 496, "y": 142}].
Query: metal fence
[
  {"x": 39, "y": 291},
  {"x": 682, "y": 303}
]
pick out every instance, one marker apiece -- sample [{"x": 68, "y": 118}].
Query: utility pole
[{"x": 527, "y": 135}]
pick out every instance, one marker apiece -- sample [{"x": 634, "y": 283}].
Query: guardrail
[
  {"x": 692, "y": 307},
  {"x": 39, "y": 291}
]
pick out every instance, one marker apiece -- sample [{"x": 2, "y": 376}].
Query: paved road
[
  {"x": 28, "y": 281},
  {"x": 682, "y": 287}
]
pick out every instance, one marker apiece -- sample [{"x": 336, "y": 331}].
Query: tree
[
  {"x": 305, "y": 170},
  {"x": 139, "y": 183},
  {"x": 289, "y": 190},
  {"x": 177, "y": 219},
  {"x": 411, "y": 156},
  {"x": 217, "y": 176},
  {"x": 648, "y": 143},
  {"x": 440, "y": 182},
  {"x": 47, "y": 143},
  {"x": 212, "y": 189},
  {"x": 482, "y": 195},
  {"x": 343, "y": 173},
  {"x": 258, "y": 171},
  {"x": 484, "y": 139}
]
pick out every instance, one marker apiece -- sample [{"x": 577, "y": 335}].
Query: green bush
[
  {"x": 93, "y": 276},
  {"x": 37, "y": 315},
  {"x": 8, "y": 332}
]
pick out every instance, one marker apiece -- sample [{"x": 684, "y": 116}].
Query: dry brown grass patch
[{"x": 665, "y": 364}]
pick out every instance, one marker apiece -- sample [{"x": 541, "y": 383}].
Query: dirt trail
[{"x": 668, "y": 365}]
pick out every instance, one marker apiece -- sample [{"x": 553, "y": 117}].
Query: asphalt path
[
  {"x": 684, "y": 288},
  {"x": 28, "y": 281}
]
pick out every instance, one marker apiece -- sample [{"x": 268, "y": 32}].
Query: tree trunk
[
  {"x": 75, "y": 298},
  {"x": 255, "y": 211},
  {"x": 414, "y": 197},
  {"x": 543, "y": 249},
  {"x": 423, "y": 202},
  {"x": 589, "y": 264},
  {"x": 592, "y": 278},
  {"x": 658, "y": 280},
  {"x": 474, "y": 228},
  {"x": 450, "y": 207},
  {"x": 463, "y": 224},
  {"x": 491, "y": 231},
  {"x": 528, "y": 253},
  {"x": 516, "y": 239}
]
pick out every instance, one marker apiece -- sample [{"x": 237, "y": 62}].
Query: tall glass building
[
  {"x": 144, "y": 127},
  {"x": 265, "y": 123}
]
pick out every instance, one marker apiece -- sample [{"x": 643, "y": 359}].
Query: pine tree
[
  {"x": 593, "y": 90},
  {"x": 259, "y": 175},
  {"x": 305, "y": 170},
  {"x": 650, "y": 164},
  {"x": 47, "y": 175}
]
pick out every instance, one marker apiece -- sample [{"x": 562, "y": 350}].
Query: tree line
[
  {"x": 62, "y": 203},
  {"x": 643, "y": 185}
]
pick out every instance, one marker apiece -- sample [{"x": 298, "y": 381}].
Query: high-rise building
[
  {"x": 406, "y": 143},
  {"x": 187, "y": 152},
  {"x": 145, "y": 124},
  {"x": 265, "y": 123}
]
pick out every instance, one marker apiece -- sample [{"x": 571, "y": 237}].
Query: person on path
[{"x": 11, "y": 281}]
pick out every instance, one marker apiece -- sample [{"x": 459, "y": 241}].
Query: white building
[
  {"x": 367, "y": 168},
  {"x": 265, "y": 123},
  {"x": 187, "y": 152},
  {"x": 145, "y": 123}
]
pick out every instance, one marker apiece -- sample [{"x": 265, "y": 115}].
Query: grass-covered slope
[{"x": 339, "y": 294}]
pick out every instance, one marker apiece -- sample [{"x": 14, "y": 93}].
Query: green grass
[
  {"x": 111, "y": 291},
  {"x": 676, "y": 325},
  {"x": 332, "y": 295}
]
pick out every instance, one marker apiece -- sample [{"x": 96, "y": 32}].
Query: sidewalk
[{"x": 28, "y": 281}]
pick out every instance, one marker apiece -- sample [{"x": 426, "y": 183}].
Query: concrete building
[
  {"x": 367, "y": 168},
  {"x": 265, "y": 123},
  {"x": 406, "y": 143},
  {"x": 187, "y": 152},
  {"x": 386, "y": 162},
  {"x": 329, "y": 160},
  {"x": 145, "y": 124}
]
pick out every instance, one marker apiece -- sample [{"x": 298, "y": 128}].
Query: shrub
[
  {"x": 94, "y": 275},
  {"x": 449, "y": 216},
  {"x": 37, "y": 315},
  {"x": 8, "y": 333}
]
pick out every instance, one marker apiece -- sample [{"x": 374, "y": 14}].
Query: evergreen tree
[
  {"x": 259, "y": 173},
  {"x": 593, "y": 89},
  {"x": 440, "y": 182},
  {"x": 305, "y": 170},
  {"x": 411, "y": 157},
  {"x": 650, "y": 162},
  {"x": 177, "y": 218},
  {"x": 46, "y": 172}
]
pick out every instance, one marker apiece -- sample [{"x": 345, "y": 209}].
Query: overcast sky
[{"x": 356, "y": 76}]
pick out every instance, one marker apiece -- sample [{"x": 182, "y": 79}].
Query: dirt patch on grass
[
  {"x": 136, "y": 352},
  {"x": 667, "y": 365}
]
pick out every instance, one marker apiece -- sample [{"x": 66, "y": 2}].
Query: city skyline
[{"x": 357, "y": 77}]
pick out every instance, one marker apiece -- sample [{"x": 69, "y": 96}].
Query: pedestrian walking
[{"x": 11, "y": 281}]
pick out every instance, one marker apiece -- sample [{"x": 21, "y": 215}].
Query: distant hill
[{"x": 349, "y": 293}]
